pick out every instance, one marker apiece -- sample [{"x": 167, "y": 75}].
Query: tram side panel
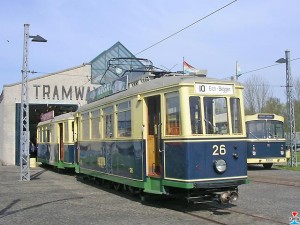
[
  {"x": 119, "y": 158},
  {"x": 195, "y": 160}
]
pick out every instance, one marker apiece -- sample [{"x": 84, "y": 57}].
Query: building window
[{"x": 124, "y": 119}]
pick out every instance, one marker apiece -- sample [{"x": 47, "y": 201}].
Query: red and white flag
[{"x": 187, "y": 69}]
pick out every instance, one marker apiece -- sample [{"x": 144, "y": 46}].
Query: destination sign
[
  {"x": 214, "y": 89},
  {"x": 47, "y": 116},
  {"x": 265, "y": 116}
]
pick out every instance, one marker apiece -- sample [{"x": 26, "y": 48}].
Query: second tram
[{"x": 266, "y": 143}]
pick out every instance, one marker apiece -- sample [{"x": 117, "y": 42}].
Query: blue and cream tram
[
  {"x": 176, "y": 135},
  {"x": 265, "y": 139},
  {"x": 56, "y": 142}
]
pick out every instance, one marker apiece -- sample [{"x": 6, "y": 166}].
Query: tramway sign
[
  {"x": 108, "y": 89},
  {"x": 214, "y": 89}
]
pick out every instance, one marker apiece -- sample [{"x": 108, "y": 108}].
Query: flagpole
[{"x": 236, "y": 63}]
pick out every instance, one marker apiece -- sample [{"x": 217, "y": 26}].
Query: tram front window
[
  {"x": 275, "y": 129},
  {"x": 195, "y": 114},
  {"x": 236, "y": 115},
  {"x": 256, "y": 129},
  {"x": 216, "y": 115},
  {"x": 265, "y": 129}
]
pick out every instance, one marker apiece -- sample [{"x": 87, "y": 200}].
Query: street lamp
[
  {"x": 291, "y": 137},
  {"x": 24, "y": 118}
]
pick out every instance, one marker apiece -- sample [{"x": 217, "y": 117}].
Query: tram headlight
[{"x": 220, "y": 165}]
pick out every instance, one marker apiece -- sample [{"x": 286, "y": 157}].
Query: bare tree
[
  {"x": 297, "y": 88},
  {"x": 297, "y": 102},
  {"x": 256, "y": 94}
]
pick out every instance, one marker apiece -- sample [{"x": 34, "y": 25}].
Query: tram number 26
[{"x": 219, "y": 150}]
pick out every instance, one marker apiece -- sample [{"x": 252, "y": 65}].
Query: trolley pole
[{"x": 24, "y": 117}]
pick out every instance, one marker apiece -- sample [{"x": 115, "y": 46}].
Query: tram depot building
[{"x": 61, "y": 92}]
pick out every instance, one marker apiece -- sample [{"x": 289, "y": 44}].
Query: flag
[{"x": 187, "y": 69}]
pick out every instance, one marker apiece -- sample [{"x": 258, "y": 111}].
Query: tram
[
  {"x": 172, "y": 134},
  {"x": 56, "y": 142},
  {"x": 266, "y": 143}
]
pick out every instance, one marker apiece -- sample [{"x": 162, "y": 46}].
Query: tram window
[
  {"x": 47, "y": 135},
  {"x": 40, "y": 135},
  {"x": 215, "y": 115},
  {"x": 85, "y": 125},
  {"x": 95, "y": 123},
  {"x": 52, "y": 132},
  {"x": 275, "y": 129},
  {"x": 73, "y": 132},
  {"x": 124, "y": 119},
  {"x": 236, "y": 115},
  {"x": 66, "y": 131},
  {"x": 256, "y": 129},
  {"x": 279, "y": 130},
  {"x": 195, "y": 114},
  {"x": 108, "y": 122},
  {"x": 173, "y": 114}
]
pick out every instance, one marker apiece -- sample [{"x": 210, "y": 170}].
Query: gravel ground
[{"x": 53, "y": 198}]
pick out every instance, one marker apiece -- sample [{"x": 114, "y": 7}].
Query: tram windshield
[
  {"x": 265, "y": 129},
  {"x": 215, "y": 119}
]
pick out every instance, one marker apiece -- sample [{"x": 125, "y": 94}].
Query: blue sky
[{"x": 255, "y": 33}]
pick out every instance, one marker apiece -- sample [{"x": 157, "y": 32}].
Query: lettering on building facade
[{"x": 60, "y": 92}]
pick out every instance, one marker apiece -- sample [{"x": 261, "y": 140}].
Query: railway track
[
  {"x": 274, "y": 180},
  {"x": 212, "y": 213}
]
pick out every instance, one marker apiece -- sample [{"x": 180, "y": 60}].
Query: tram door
[
  {"x": 154, "y": 136},
  {"x": 61, "y": 142}
]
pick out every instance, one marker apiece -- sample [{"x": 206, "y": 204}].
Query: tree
[
  {"x": 256, "y": 94},
  {"x": 297, "y": 103},
  {"x": 273, "y": 105}
]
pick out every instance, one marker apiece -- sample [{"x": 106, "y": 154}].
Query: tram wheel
[
  {"x": 133, "y": 190},
  {"x": 267, "y": 165},
  {"x": 117, "y": 186}
]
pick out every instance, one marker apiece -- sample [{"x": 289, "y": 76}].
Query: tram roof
[
  {"x": 61, "y": 117},
  {"x": 158, "y": 83}
]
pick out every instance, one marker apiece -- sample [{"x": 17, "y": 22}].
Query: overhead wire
[
  {"x": 177, "y": 32},
  {"x": 166, "y": 38},
  {"x": 261, "y": 68}
]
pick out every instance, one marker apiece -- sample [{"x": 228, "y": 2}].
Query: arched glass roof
[{"x": 114, "y": 63}]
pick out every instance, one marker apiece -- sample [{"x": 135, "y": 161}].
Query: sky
[{"x": 253, "y": 33}]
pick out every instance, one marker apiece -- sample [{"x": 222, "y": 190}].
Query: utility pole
[
  {"x": 291, "y": 134},
  {"x": 24, "y": 123},
  {"x": 24, "y": 126},
  {"x": 291, "y": 111}
]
